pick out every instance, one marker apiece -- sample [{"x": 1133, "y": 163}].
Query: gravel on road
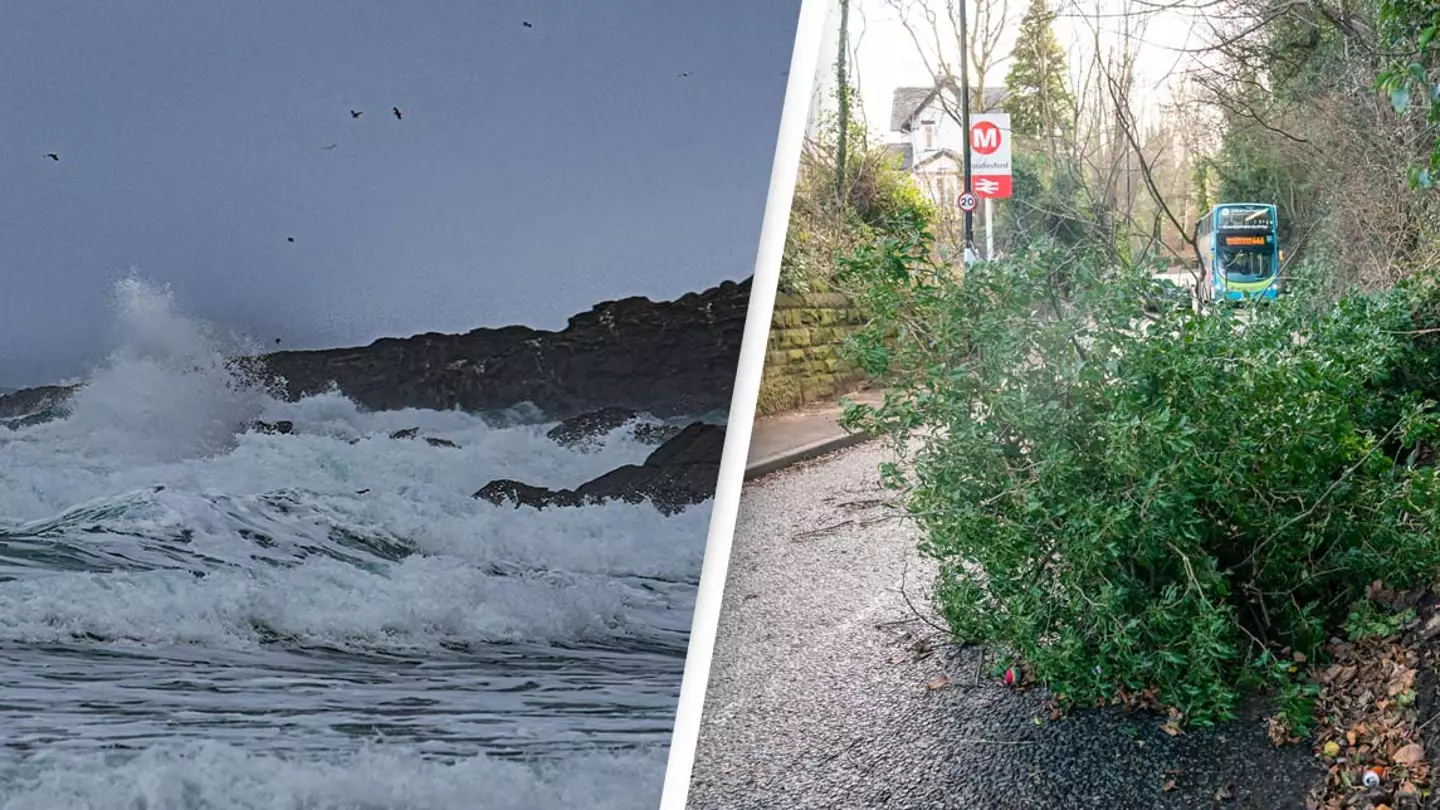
[{"x": 819, "y": 693}]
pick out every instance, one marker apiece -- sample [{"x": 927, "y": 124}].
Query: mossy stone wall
[{"x": 803, "y": 363}]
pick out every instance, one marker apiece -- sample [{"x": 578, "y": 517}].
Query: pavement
[
  {"x": 782, "y": 440},
  {"x": 833, "y": 684}
]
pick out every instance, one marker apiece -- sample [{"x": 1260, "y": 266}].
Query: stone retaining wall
[{"x": 803, "y": 362}]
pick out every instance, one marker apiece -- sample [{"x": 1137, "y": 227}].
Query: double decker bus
[{"x": 1239, "y": 252}]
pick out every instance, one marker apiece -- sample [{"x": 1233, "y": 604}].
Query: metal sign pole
[
  {"x": 989, "y": 230},
  {"x": 965, "y": 115}
]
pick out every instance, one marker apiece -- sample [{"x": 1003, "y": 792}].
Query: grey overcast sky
[{"x": 536, "y": 171}]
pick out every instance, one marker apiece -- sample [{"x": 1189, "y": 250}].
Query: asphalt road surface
[{"x": 818, "y": 695}]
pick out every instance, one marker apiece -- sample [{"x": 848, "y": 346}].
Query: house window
[{"x": 927, "y": 130}]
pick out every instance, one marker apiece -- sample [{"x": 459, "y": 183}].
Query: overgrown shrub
[
  {"x": 1146, "y": 505},
  {"x": 826, "y": 225}
]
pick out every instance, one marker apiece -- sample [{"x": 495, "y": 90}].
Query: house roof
[
  {"x": 941, "y": 153},
  {"x": 908, "y": 101}
]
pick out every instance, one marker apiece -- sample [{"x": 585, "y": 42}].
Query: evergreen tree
[{"x": 1039, "y": 99}]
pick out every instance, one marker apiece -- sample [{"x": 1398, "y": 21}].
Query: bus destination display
[{"x": 1246, "y": 241}]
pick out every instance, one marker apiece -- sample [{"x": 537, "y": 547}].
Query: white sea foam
[{"x": 165, "y": 412}]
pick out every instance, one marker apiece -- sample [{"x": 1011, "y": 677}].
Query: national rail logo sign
[
  {"x": 991, "y": 186},
  {"x": 990, "y": 155}
]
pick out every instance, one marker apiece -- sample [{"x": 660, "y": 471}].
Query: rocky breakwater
[
  {"x": 667, "y": 358},
  {"x": 681, "y": 472}
]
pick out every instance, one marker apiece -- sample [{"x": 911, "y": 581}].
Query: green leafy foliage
[
  {"x": 1131, "y": 502},
  {"x": 824, "y": 225},
  {"x": 1367, "y": 621},
  {"x": 1295, "y": 696},
  {"x": 1407, "y": 30}
]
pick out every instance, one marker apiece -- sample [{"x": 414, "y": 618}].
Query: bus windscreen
[{"x": 1244, "y": 264}]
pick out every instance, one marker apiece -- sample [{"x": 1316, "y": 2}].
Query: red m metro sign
[{"x": 985, "y": 137}]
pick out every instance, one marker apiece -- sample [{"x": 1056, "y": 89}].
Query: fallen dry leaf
[
  {"x": 1169, "y": 785},
  {"x": 937, "y": 682},
  {"x": 1410, "y": 755},
  {"x": 1401, "y": 682}
]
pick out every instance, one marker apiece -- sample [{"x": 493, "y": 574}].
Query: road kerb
[{"x": 780, "y": 461}]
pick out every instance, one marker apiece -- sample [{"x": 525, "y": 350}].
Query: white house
[{"x": 931, "y": 141}]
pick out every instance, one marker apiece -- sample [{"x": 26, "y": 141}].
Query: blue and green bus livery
[{"x": 1239, "y": 252}]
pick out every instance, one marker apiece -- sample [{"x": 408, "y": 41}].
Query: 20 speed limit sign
[{"x": 968, "y": 202}]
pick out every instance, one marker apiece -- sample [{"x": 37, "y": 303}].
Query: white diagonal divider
[{"x": 804, "y": 60}]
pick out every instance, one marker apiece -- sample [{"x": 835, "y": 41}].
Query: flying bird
[
  {"x": 396, "y": 110},
  {"x": 53, "y": 156},
  {"x": 331, "y": 146},
  {"x": 527, "y": 24},
  {"x": 356, "y": 113},
  {"x": 685, "y": 75},
  {"x": 277, "y": 341},
  {"x": 289, "y": 239}
]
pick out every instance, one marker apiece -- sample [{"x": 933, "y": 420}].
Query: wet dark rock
[
  {"x": 28, "y": 407},
  {"x": 670, "y": 489},
  {"x": 434, "y": 442},
  {"x": 698, "y": 443},
  {"x": 668, "y": 358},
  {"x": 29, "y": 402},
  {"x": 407, "y": 433},
  {"x": 580, "y": 432},
  {"x": 679, "y": 473},
  {"x": 47, "y": 415},
  {"x": 651, "y": 433},
  {"x": 504, "y": 490},
  {"x": 284, "y": 426}
]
